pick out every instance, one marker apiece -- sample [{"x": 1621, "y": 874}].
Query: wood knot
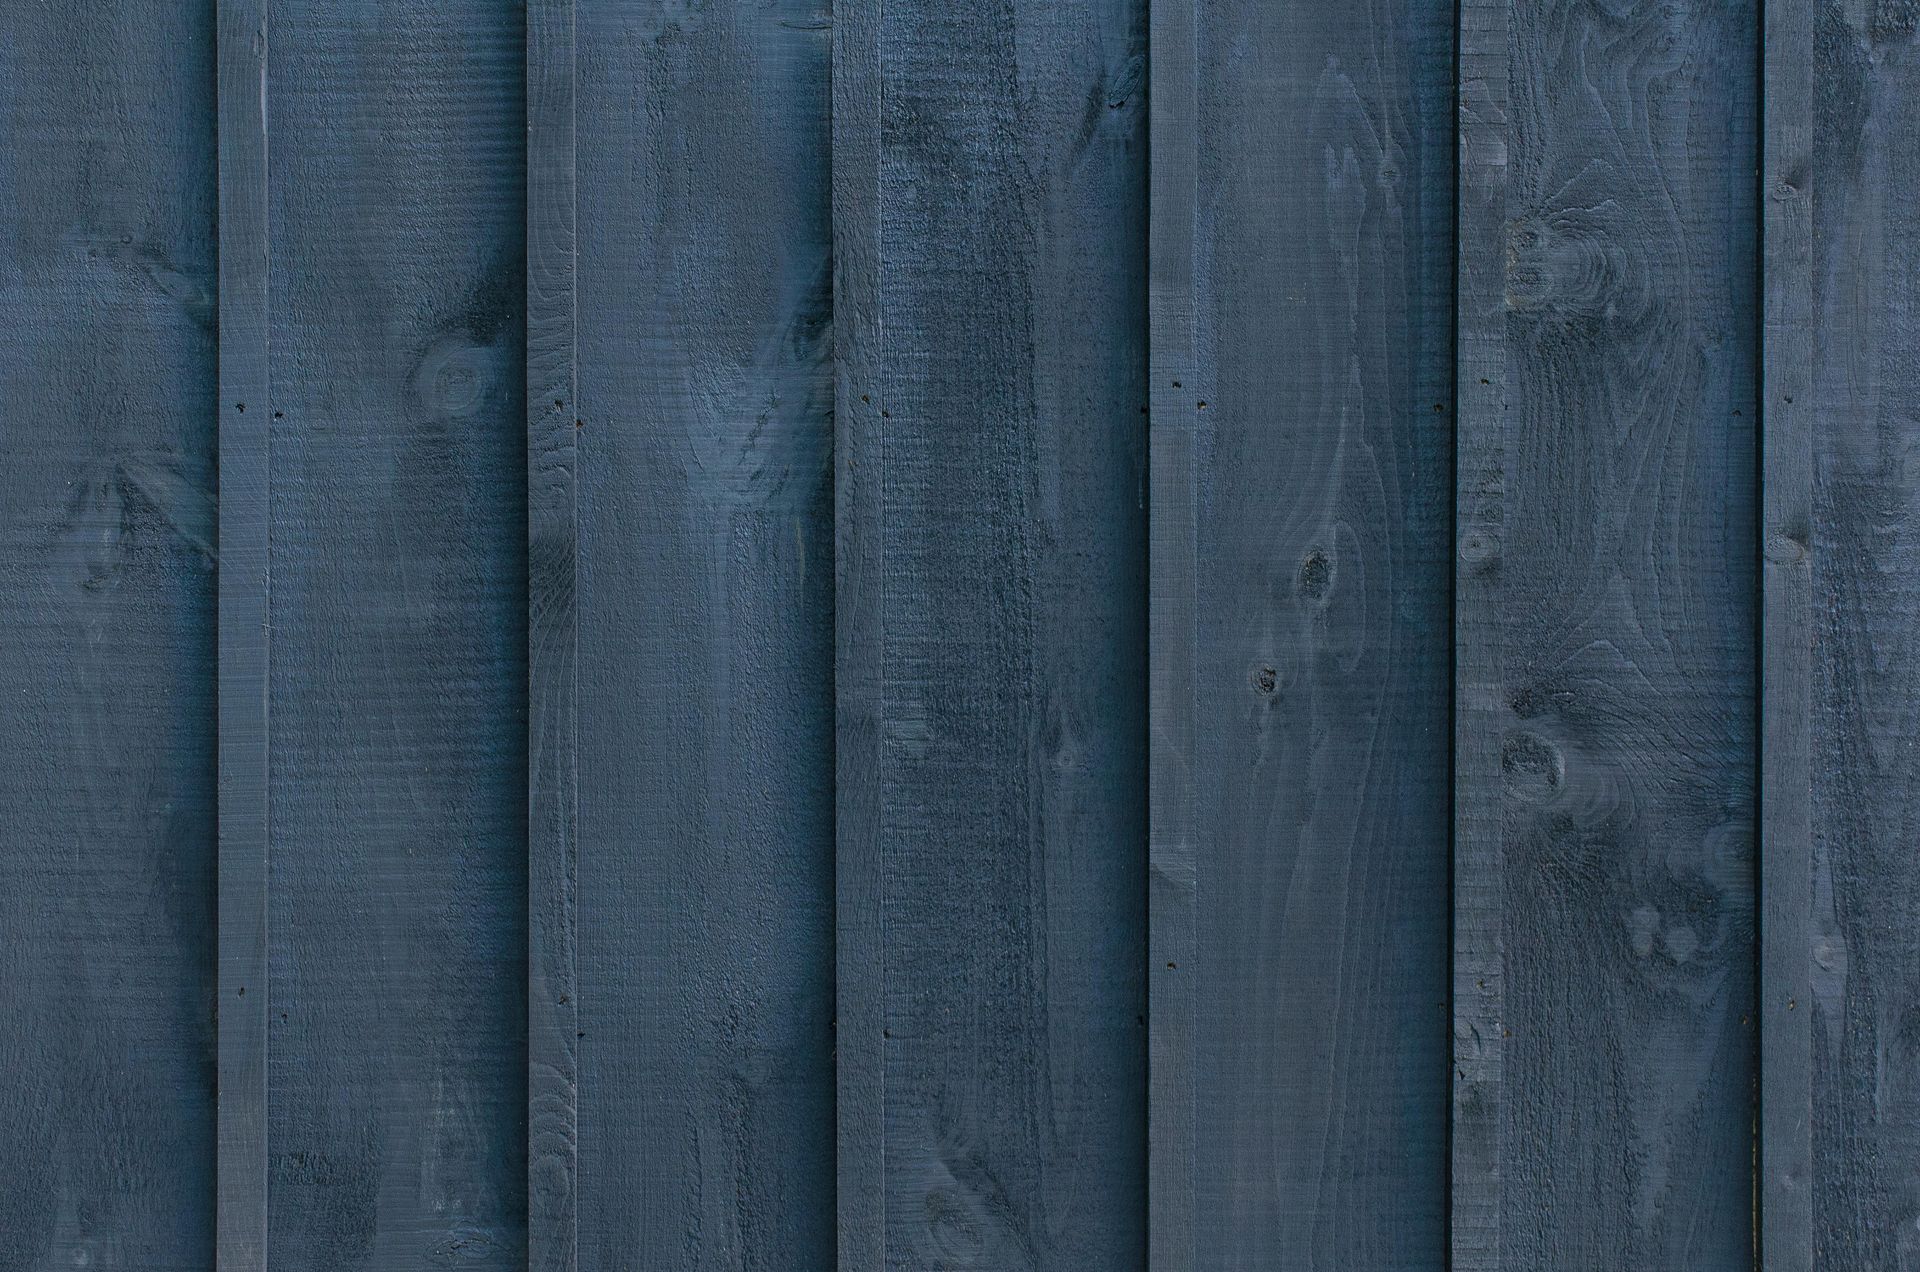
[
  {"x": 1316, "y": 575},
  {"x": 1568, "y": 269},
  {"x": 1534, "y": 768},
  {"x": 1784, "y": 549}
]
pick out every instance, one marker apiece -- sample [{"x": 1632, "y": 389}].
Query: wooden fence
[{"x": 960, "y": 634}]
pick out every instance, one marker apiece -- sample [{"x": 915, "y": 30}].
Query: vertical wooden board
[
  {"x": 244, "y": 519},
  {"x": 1173, "y": 534},
  {"x": 107, "y": 472},
  {"x": 990, "y": 244},
  {"x": 1476, "y": 1131},
  {"x": 1788, "y": 1009},
  {"x": 704, "y": 430},
  {"x": 1616, "y": 431},
  {"x": 859, "y": 622},
  {"x": 553, "y": 1024},
  {"x": 1317, "y": 396},
  {"x": 398, "y": 768},
  {"x": 1863, "y": 895}
]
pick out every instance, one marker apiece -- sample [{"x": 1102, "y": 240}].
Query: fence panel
[{"x": 738, "y": 635}]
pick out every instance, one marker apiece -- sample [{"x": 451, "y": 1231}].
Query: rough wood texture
[
  {"x": 552, "y": 638},
  {"x": 398, "y": 776},
  {"x": 859, "y": 557},
  {"x": 1784, "y": 1147},
  {"x": 798, "y": 674},
  {"x": 1616, "y": 436},
  {"x": 1172, "y": 899},
  {"x": 1863, "y": 890},
  {"x": 1481, "y": 373},
  {"x": 704, "y": 428},
  {"x": 107, "y": 462},
  {"x": 1317, "y": 400},
  {"x": 990, "y": 208},
  {"x": 244, "y": 517}
]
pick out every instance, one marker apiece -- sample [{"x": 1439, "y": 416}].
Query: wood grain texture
[
  {"x": 1173, "y": 576},
  {"x": 244, "y": 637},
  {"x": 990, "y": 200},
  {"x": 1482, "y": 372},
  {"x": 552, "y": 643},
  {"x": 107, "y": 671},
  {"x": 1787, "y": 1008},
  {"x": 399, "y": 762},
  {"x": 1617, "y": 582},
  {"x": 1317, "y": 404},
  {"x": 1862, "y": 925},
  {"x": 860, "y": 629},
  {"x": 704, "y": 427}
]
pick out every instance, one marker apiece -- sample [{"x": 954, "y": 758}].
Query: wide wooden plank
[
  {"x": 705, "y": 625},
  {"x": 1605, "y": 1045},
  {"x": 1312, "y": 186},
  {"x": 107, "y": 474},
  {"x": 398, "y": 775},
  {"x": 553, "y": 802},
  {"x": 1845, "y": 314},
  {"x": 989, "y": 238}
]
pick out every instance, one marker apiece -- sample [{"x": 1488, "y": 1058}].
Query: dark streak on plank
[
  {"x": 993, "y": 556},
  {"x": 244, "y": 485},
  {"x": 1314, "y": 497},
  {"x": 398, "y": 904},
  {"x": 1613, "y": 1128},
  {"x": 704, "y": 426},
  {"x": 1843, "y": 325},
  {"x": 552, "y": 634},
  {"x": 1787, "y": 1005},
  {"x": 107, "y": 652}
]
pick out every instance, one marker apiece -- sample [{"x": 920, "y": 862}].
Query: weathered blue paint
[
  {"x": 1302, "y": 426},
  {"x": 1606, "y": 723},
  {"x": 1841, "y": 554},
  {"x": 990, "y": 302},
  {"x": 703, "y": 426},
  {"x": 107, "y": 529},
  {"x": 397, "y": 768},
  {"x": 687, "y": 657},
  {"x": 553, "y": 791},
  {"x": 245, "y": 639}
]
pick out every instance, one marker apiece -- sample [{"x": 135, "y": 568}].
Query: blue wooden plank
[
  {"x": 1302, "y": 257},
  {"x": 1605, "y": 742},
  {"x": 705, "y": 621},
  {"x": 398, "y": 776},
  {"x": 860, "y": 1078},
  {"x": 553, "y": 633},
  {"x": 1784, "y": 1157},
  {"x": 242, "y": 1006},
  {"x": 107, "y": 670},
  {"x": 1481, "y": 375},
  {"x": 1173, "y": 1095},
  {"x": 1843, "y": 557},
  {"x": 990, "y": 313}
]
